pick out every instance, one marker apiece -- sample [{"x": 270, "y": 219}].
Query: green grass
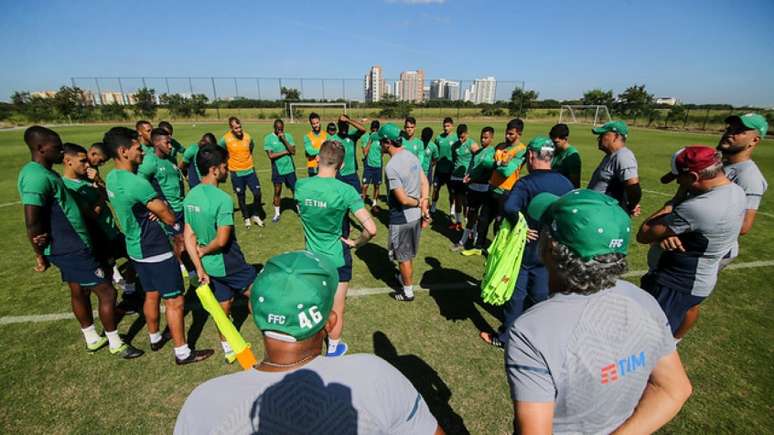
[{"x": 49, "y": 384}]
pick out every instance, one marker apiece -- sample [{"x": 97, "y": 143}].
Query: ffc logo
[
  {"x": 625, "y": 366},
  {"x": 615, "y": 243}
]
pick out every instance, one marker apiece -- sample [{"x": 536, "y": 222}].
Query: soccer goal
[
  {"x": 325, "y": 110},
  {"x": 594, "y": 114}
]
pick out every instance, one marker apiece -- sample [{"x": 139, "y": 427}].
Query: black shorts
[
  {"x": 372, "y": 175},
  {"x": 674, "y": 303},
  {"x": 476, "y": 198},
  {"x": 345, "y": 271},
  {"x": 352, "y": 180},
  {"x": 226, "y": 287},
  {"x": 107, "y": 252},
  {"x": 241, "y": 182},
  {"x": 289, "y": 179},
  {"x": 79, "y": 267},
  {"x": 457, "y": 186},
  {"x": 441, "y": 178},
  {"x": 163, "y": 277},
  {"x": 311, "y": 171}
]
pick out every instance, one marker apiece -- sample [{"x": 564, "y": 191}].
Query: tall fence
[{"x": 106, "y": 89}]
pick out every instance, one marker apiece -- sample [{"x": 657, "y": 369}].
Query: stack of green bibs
[{"x": 504, "y": 261}]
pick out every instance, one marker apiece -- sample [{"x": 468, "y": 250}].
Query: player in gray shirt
[
  {"x": 598, "y": 355},
  {"x": 705, "y": 216},
  {"x": 408, "y": 199},
  {"x": 616, "y": 175},
  {"x": 294, "y": 390}
]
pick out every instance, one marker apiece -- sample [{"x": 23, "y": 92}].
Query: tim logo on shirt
[{"x": 623, "y": 367}]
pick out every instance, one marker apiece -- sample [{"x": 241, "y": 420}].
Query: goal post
[
  {"x": 293, "y": 107},
  {"x": 596, "y": 114}
]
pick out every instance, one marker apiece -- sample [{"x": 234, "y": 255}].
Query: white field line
[
  {"x": 358, "y": 292},
  {"x": 8, "y": 204}
]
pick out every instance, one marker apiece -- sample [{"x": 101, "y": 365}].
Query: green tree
[
  {"x": 598, "y": 97},
  {"x": 199, "y": 104},
  {"x": 634, "y": 102},
  {"x": 394, "y": 109},
  {"x": 145, "y": 103},
  {"x": 70, "y": 103},
  {"x": 676, "y": 113},
  {"x": 290, "y": 94},
  {"x": 34, "y": 108},
  {"x": 178, "y": 106},
  {"x": 521, "y": 101},
  {"x": 113, "y": 112},
  {"x": 492, "y": 110}
]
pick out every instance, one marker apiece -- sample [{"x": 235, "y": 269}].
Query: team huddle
[{"x": 585, "y": 351}]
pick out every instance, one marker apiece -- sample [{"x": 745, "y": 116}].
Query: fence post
[
  {"x": 302, "y": 90},
  {"x": 323, "y": 88},
  {"x": 99, "y": 91},
  {"x": 236, "y": 87},
  {"x": 706, "y": 118},
  {"x": 343, "y": 91},
  {"x": 124, "y": 99},
  {"x": 166, "y": 81},
  {"x": 143, "y": 83},
  {"x": 215, "y": 96},
  {"x": 685, "y": 122},
  {"x": 258, "y": 86},
  {"x": 190, "y": 88}
]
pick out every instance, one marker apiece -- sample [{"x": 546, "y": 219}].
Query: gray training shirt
[
  {"x": 590, "y": 354},
  {"x": 349, "y": 395},
  {"x": 747, "y": 176},
  {"x": 708, "y": 226},
  {"x": 403, "y": 171},
  {"x": 613, "y": 171}
]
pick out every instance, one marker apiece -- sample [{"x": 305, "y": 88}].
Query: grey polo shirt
[
  {"x": 403, "y": 171},
  {"x": 613, "y": 171},
  {"x": 747, "y": 175}
]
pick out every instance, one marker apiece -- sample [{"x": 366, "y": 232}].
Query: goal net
[
  {"x": 590, "y": 114},
  {"x": 297, "y": 111}
]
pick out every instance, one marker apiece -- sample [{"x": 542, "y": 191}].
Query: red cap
[{"x": 696, "y": 158}]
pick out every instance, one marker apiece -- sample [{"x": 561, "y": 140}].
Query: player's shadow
[
  {"x": 377, "y": 259},
  {"x": 288, "y": 204},
  {"x": 440, "y": 224},
  {"x": 457, "y": 295},
  {"x": 426, "y": 380}
]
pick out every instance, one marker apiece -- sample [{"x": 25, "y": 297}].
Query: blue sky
[{"x": 697, "y": 51}]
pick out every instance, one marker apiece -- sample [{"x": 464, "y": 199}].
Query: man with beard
[{"x": 240, "y": 146}]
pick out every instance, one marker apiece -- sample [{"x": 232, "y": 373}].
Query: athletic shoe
[
  {"x": 452, "y": 226},
  {"x": 402, "y": 297},
  {"x": 471, "y": 252},
  {"x": 456, "y": 247},
  {"x": 492, "y": 340},
  {"x": 247, "y": 223},
  {"x": 97, "y": 345},
  {"x": 341, "y": 349},
  {"x": 257, "y": 221},
  {"x": 195, "y": 356},
  {"x": 275, "y": 219},
  {"x": 127, "y": 351},
  {"x": 230, "y": 357},
  {"x": 165, "y": 337}
]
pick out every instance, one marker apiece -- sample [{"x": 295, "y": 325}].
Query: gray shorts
[{"x": 404, "y": 240}]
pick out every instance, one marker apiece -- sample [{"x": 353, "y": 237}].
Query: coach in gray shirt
[
  {"x": 705, "y": 217},
  {"x": 598, "y": 355},
  {"x": 407, "y": 198},
  {"x": 294, "y": 390},
  {"x": 616, "y": 175}
]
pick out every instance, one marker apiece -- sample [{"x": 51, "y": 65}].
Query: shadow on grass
[
  {"x": 440, "y": 225},
  {"x": 288, "y": 204},
  {"x": 457, "y": 303},
  {"x": 380, "y": 266},
  {"x": 426, "y": 380}
]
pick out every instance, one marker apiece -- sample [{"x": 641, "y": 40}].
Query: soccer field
[{"x": 50, "y": 384}]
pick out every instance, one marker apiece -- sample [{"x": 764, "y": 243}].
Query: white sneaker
[
  {"x": 257, "y": 221},
  {"x": 247, "y": 223}
]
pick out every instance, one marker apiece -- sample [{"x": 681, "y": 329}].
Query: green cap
[
  {"x": 752, "y": 121},
  {"x": 588, "y": 222},
  {"x": 389, "y": 131},
  {"x": 293, "y": 294},
  {"x": 540, "y": 143},
  {"x": 615, "y": 126}
]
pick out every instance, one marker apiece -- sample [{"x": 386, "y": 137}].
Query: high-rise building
[
  {"x": 483, "y": 90},
  {"x": 412, "y": 85},
  {"x": 438, "y": 89},
  {"x": 452, "y": 90},
  {"x": 374, "y": 85}
]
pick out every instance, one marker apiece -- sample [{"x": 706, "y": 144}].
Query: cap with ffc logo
[
  {"x": 293, "y": 294},
  {"x": 541, "y": 143},
  {"x": 751, "y": 121},
  {"x": 390, "y": 131},
  {"x": 614, "y": 126},
  {"x": 589, "y": 223}
]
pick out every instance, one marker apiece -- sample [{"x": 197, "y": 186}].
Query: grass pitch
[{"x": 50, "y": 384}]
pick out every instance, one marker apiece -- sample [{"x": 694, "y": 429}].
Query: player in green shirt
[
  {"x": 443, "y": 167},
  {"x": 280, "y": 147},
  {"x": 348, "y": 171},
  {"x": 139, "y": 208},
  {"x": 462, "y": 154},
  {"x": 210, "y": 238},
  {"x": 566, "y": 161},
  {"x": 188, "y": 164},
  {"x": 431, "y": 152},
  {"x": 177, "y": 147},
  {"x": 323, "y": 202},
  {"x": 477, "y": 182},
  {"x": 59, "y": 236},
  {"x": 144, "y": 129},
  {"x": 372, "y": 166},
  {"x": 411, "y": 142},
  {"x": 97, "y": 157}
]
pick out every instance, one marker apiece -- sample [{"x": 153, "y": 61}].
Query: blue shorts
[
  {"x": 241, "y": 182},
  {"x": 106, "y": 252},
  {"x": 345, "y": 271},
  {"x": 441, "y": 178},
  {"x": 372, "y": 175},
  {"x": 193, "y": 177},
  {"x": 674, "y": 303},
  {"x": 226, "y": 287},
  {"x": 177, "y": 228},
  {"x": 352, "y": 180},
  {"x": 163, "y": 277},
  {"x": 289, "y": 180},
  {"x": 79, "y": 267}
]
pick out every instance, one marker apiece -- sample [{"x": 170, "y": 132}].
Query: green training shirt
[
  {"x": 207, "y": 208},
  {"x": 189, "y": 157},
  {"x": 128, "y": 194},
  {"x": 88, "y": 196},
  {"x": 461, "y": 157},
  {"x": 444, "y": 144},
  {"x": 177, "y": 148},
  {"x": 374, "y": 157},
  {"x": 416, "y": 147},
  {"x": 481, "y": 167},
  {"x": 165, "y": 178},
  {"x": 272, "y": 143},
  {"x": 350, "y": 159},
  {"x": 430, "y": 154},
  {"x": 567, "y": 162},
  {"x": 42, "y": 187},
  {"x": 323, "y": 203}
]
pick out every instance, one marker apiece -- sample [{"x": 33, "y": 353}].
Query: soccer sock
[
  {"x": 117, "y": 275},
  {"x": 451, "y": 211},
  {"x": 155, "y": 337},
  {"x": 475, "y": 236},
  {"x": 432, "y": 207},
  {"x": 226, "y": 347},
  {"x": 276, "y": 211},
  {"x": 408, "y": 290},
  {"x": 90, "y": 334},
  {"x": 183, "y": 351},
  {"x": 464, "y": 238},
  {"x": 114, "y": 339},
  {"x": 458, "y": 215},
  {"x": 332, "y": 344}
]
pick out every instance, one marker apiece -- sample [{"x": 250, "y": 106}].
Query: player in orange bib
[
  {"x": 240, "y": 146},
  {"x": 313, "y": 139}
]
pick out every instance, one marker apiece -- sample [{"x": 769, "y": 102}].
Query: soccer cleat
[
  {"x": 456, "y": 247},
  {"x": 471, "y": 252},
  {"x": 341, "y": 349},
  {"x": 97, "y": 345},
  {"x": 195, "y": 356},
  {"x": 230, "y": 357},
  {"x": 402, "y": 297},
  {"x": 257, "y": 221},
  {"x": 127, "y": 351},
  {"x": 276, "y": 218},
  {"x": 492, "y": 340},
  {"x": 452, "y": 226},
  {"x": 247, "y": 223},
  {"x": 165, "y": 337}
]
